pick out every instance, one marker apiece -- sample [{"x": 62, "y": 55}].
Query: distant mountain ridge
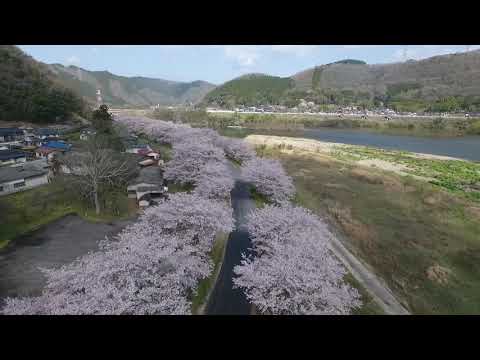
[
  {"x": 129, "y": 91},
  {"x": 444, "y": 81}
]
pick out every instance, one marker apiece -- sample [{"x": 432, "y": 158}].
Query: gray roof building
[{"x": 24, "y": 171}]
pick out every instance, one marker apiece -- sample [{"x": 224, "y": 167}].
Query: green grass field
[
  {"x": 28, "y": 210},
  {"x": 422, "y": 240},
  {"x": 458, "y": 177}
]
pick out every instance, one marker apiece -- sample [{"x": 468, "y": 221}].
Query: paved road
[
  {"x": 346, "y": 115},
  {"x": 382, "y": 295},
  {"x": 225, "y": 300},
  {"x": 53, "y": 245}
]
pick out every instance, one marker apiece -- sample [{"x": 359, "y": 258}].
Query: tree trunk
[{"x": 97, "y": 203}]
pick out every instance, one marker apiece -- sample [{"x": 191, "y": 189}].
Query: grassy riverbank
[
  {"x": 458, "y": 177},
  {"x": 421, "y": 126},
  {"x": 419, "y": 237}
]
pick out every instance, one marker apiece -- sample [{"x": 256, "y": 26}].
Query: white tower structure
[{"x": 99, "y": 97}]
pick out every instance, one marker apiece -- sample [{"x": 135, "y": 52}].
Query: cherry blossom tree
[
  {"x": 189, "y": 158},
  {"x": 190, "y": 216},
  {"x": 236, "y": 149},
  {"x": 293, "y": 270},
  {"x": 215, "y": 181},
  {"x": 269, "y": 178},
  {"x": 152, "y": 268},
  {"x": 141, "y": 277}
]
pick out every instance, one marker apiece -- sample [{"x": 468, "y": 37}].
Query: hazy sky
[{"x": 220, "y": 63}]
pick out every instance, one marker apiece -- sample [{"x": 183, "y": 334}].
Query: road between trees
[{"x": 382, "y": 295}]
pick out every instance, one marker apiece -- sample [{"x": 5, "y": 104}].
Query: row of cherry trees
[
  {"x": 292, "y": 269},
  {"x": 154, "y": 265},
  {"x": 199, "y": 155}
]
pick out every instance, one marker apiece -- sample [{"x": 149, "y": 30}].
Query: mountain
[
  {"x": 29, "y": 92},
  {"x": 250, "y": 89},
  {"x": 129, "y": 91},
  {"x": 438, "y": 83}
]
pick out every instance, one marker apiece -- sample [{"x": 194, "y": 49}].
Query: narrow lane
[{"x": 225, "y": 300}]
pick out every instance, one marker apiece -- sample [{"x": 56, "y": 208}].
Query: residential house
[
  {"x": 11, "y": 135},
  {"x": 23, "y": 176},
  {"x": 147, "y": 187},
  {"x": 9, "y": 157},
  {"x": 51, "y": 147},
  {"x": 47, "y": 133},
  {"x": 140, "y": 149},
  {"x": 87, "y": 133},
  {"x": 45, "y": 152},
  {"x": 32, "y": 140}
]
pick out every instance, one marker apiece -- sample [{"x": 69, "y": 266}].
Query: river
[{"x": 464, "y": 147}]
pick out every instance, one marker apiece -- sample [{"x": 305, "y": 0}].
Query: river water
[{"x": 464, "y": 147}]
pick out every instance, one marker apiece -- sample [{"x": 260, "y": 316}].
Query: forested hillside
[
  {"x": 124, "y": 91},
  {"x": 251, "y": 89},
  {"x": 441, "y": 83},
  {"x": 28, "y": 91}
]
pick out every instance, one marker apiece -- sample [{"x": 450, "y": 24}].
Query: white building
[
  {"x": 10, "y": 157},
  {"x": 23, "y": 177}
]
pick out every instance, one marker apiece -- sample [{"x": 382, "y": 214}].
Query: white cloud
[
  {"x": 71, "y": 60},
  {"x": 244, "y": 55},
  {"x": 298, "y": 50},
  {"x": 359, "y": 46}
]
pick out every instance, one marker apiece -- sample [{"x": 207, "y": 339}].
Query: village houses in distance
[{"x": 27, "y": 157}]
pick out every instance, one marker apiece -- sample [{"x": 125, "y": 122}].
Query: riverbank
[
  {"x": 419, "y": 237},
  {"x": 410, "y": 125},
  {"x": 454, "y": 175}
]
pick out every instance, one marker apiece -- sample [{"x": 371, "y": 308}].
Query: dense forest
[
  {"x": 28, "y": 91},
  {"x": 252, "y": 89}
]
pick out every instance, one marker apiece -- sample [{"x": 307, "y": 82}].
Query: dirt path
[{"x": 374, "y": 285}]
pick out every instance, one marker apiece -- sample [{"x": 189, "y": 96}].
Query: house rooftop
[
  {"x": 45, "y": 131},
  {"x": 13, "y": 173},
  {"x": 57, "y": 145},
  {"x": 149, "y": 175},
  {"x": 10, "y": 131},
  {"x": 45, "y": 150},
  {"x": 11, "y": 154},
  {"x": 40, "y": 164}
]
